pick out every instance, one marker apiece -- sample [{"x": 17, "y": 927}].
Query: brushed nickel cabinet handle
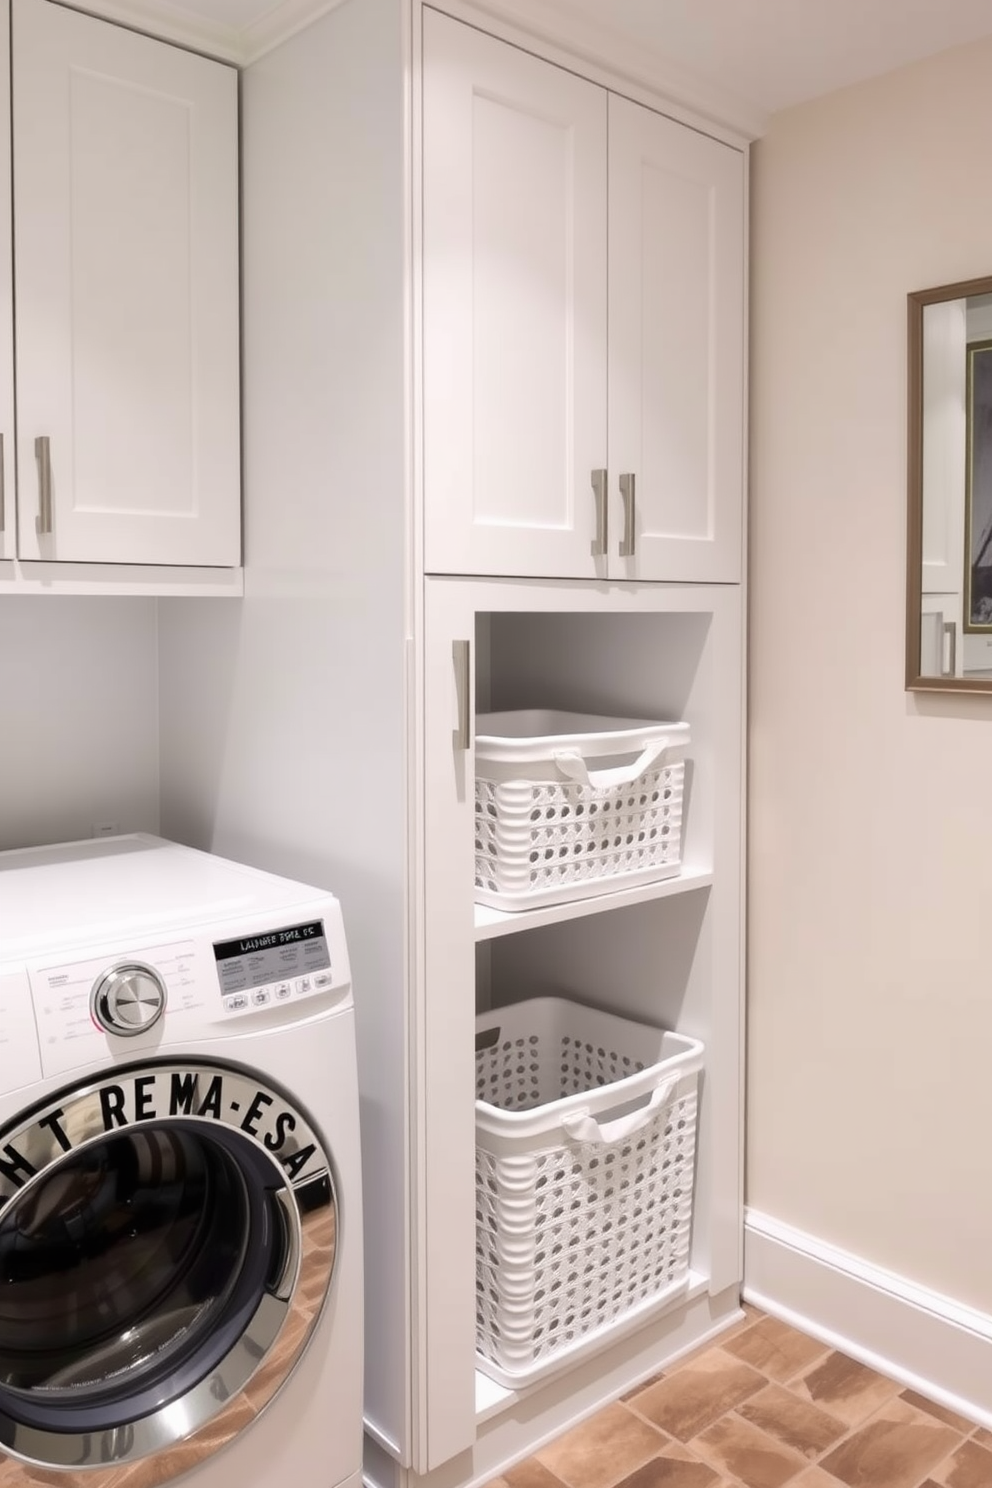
[
  {"x": 599, "y": 543},
  {"x": 43, "y": 455},
  {"x": 628, "y": 490},
  {"x": 461, "y": 655}
]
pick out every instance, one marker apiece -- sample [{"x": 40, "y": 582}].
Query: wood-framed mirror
[{"x": 949, "y": 536}]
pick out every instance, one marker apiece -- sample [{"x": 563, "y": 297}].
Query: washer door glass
[
  {"x": 128, "y": 1269},
  {"x": 146, "y": 1273}
]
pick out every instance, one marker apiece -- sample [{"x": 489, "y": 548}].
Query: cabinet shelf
[
  {"x": 490, "y": 923},
  {"x": 120, "y": 578}
]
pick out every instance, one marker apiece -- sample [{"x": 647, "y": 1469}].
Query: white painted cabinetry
[
  {"x": 676, "y": 349},
  {"x": 125, "y": 227},
  {"x": 514, "y": 292},
  {"x": 8, "y": 504},
  {"x": 583, "y": 325},
  {"x": 666, "y": 953},
  {"x": 427, "y": 327}
]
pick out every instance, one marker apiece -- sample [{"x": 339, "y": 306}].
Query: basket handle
[
  {"x": 582, "y": 1127},
  {"x": 575, "y": 768}
]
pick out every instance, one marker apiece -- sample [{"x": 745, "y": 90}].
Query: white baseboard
[{"x": 925, "y": 1340}]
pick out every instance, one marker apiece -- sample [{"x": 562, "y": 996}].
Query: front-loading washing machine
[{"x": 180, "y": 1191}]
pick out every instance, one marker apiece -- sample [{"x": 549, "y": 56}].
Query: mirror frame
[{"x": 916, "y": 303}]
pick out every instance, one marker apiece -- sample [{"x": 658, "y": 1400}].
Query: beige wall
[{"x": 870, "y": 961}]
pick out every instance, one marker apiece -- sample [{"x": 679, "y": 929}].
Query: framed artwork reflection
[{"x": 978, "y": 490}]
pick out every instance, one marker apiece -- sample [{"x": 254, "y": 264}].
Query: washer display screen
[{"x": 278, "y": 955}]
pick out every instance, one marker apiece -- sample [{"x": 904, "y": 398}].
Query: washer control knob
[{"x": 128, "y": 999}]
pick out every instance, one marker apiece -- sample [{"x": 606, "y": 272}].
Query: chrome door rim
[{"x": 198, "y": 1095}]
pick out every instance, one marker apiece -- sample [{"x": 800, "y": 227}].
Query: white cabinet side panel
[
  {"x": 284, "y": 728},
  {"x": 79, "y": 736},
  {"x": 447, "y": 1097}
]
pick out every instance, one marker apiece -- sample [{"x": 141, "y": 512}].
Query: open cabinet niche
[
  {"x": 648, "y": 962},
  {"x": 651, "y": 666},
  {"x": 665, "y": 961},
  {"x": 665, "y": 953}
]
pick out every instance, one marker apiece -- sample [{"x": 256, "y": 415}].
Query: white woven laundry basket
[
  {"x": 585, "y": 1129},
  {"x": 573, "y": 804}
]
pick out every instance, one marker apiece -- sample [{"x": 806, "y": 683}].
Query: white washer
[{"x": 180, "y": 1191}]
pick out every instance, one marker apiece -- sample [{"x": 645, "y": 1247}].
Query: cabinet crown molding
[
  {"x": 548, "y": 22},
  {"x": 604, "y": 48}
]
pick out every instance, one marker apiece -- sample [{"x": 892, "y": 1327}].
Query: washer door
[{"x": 167, "y": 1240}]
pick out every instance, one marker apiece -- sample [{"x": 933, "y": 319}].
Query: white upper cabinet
[
  {"x": 514, "y": 279},
  {"x": 583, "y": 326},
  {"x": 8, "y": 510},
  {"x": 676, "y": 363},
  {"x": 126, "y": 260}
]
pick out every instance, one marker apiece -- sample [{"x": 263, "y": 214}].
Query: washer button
[
  {"x": 236, "y": 1002},
  {"x": 261, "y": 996},
  {"x": 303, "y": 984},
  {"x": 323, "y": 979},
  {"x": 283, "y": 990}
]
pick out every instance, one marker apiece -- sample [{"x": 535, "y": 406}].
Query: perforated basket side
[
  {"x": 535, "y": 840},
  {"x": 538, "y": 1058},
  {"x": 572, "y": 1238},
  {"x": 528, "y": 1069}
]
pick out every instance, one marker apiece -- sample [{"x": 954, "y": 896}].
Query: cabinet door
[
  {"x": 126, "y": 252},
  {"x": 8, "y": 536},
  {"x": 676, "y": 356},
  {"x": 514, "y": 318}
]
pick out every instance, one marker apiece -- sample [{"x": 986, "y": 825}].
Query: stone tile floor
[{"x": 762, "y": 1407}]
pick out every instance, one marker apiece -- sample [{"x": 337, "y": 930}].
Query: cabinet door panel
[
  {"x": 514, "y": 307},
  {"x": 125, "y": 212},
  {"x": 8, "y": 535},
  {"x": 676, "y": 345}
]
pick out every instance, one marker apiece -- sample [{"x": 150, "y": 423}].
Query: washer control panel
[
  {"x": 150, "y": 993},
  {"x": 256, "y": 971}
]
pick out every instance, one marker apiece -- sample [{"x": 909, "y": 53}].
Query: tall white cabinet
[{"x": 481, "y": 286}]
